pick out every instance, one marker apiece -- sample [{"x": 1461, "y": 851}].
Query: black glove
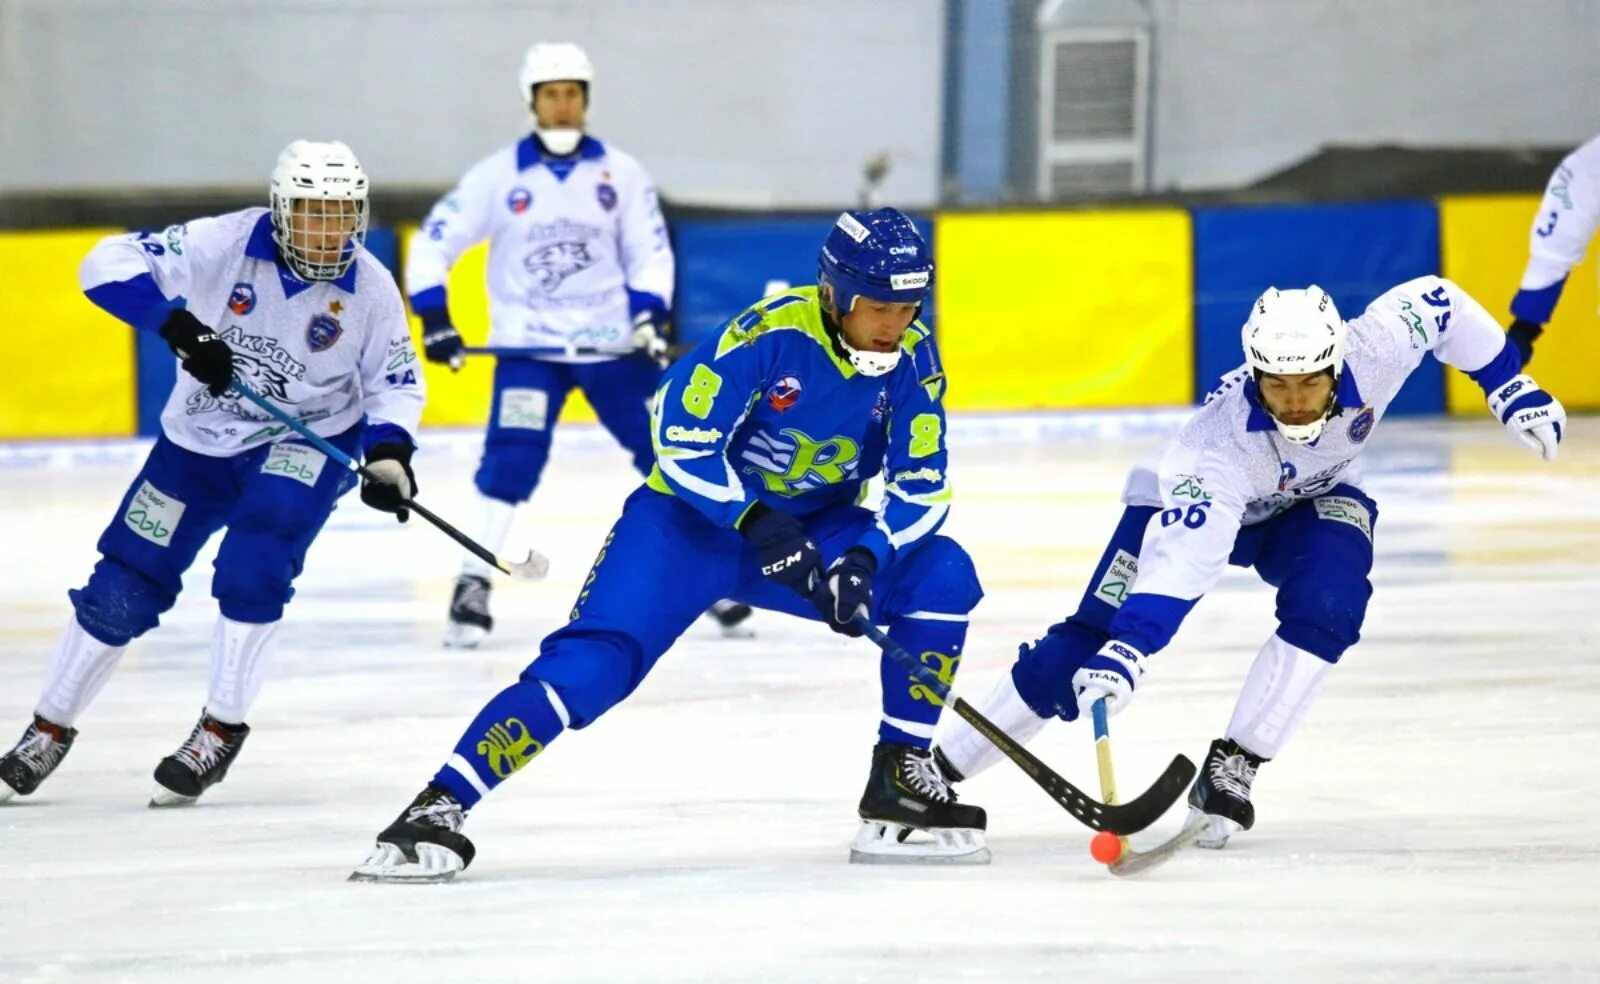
[
  {"x": 783, "y": 549},
  {"x": 205, "y": 356},
  {"x": 440, "y": 340},
  {"x": 847, "y": 591},
  {"x": 1522, "y": 334},
  {"x": 387, "y": 483}
]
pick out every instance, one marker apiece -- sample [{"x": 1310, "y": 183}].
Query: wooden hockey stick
[
  {"x": 1120, "y": 819},
  {"x": 1131, "y": 862},
  {"x": 535, "y": 566}
]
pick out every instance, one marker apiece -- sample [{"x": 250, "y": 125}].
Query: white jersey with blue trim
[
  {"x": 325, "y": 351},
  {"x": 577, "y": 246},
  {"x": 1230, "y": 467},
  {"x": 1562, "y": 229}
]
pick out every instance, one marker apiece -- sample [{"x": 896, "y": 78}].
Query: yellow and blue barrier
[{"x": 1110, "y": 308}]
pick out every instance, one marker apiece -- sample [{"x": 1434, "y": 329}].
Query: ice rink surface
[{"x": 1435, "y": 820}]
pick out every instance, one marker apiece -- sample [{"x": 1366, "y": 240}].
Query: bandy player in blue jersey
[{"x": 764, "y": 438}]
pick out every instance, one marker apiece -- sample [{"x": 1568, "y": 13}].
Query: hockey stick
[
  {"x": 1120, "y": 819},
  {"x": 1131, "y": 862},
  {"x": 535, "y": 566},
  {"x": 671, "y": 354}
]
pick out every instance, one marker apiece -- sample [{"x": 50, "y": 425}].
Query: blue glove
[
  {"x": 847, "y": 591},
  {"x": 1533, "y": 416},
  {"x": 440, "y": 340},
  {"x": 783, "y": 549},
  {"x": 1112, "y": 674}
]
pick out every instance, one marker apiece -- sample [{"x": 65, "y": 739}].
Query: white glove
[
  {"x": 1111, "y": 673},
  {"x": 1533, "y": 416},
  {"x": 647, "y": 338}
]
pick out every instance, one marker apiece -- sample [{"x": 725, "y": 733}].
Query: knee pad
[
  {"x": 946, "y": 579},
  {"x": 1322, "y": 611},
  {"x": 511, "y": 467},
  {"x": 591, "y": 672},
  {"x": 1043, "y": 671},
  {"x": 119, "y": 604}
]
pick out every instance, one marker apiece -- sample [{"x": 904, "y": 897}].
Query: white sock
[
  {"x": 81, "y": 666},
  {"x": 239, "y": 655},
  {"x": 494, "y": 523},
  {"x": 1277, "y": 693},
  {"x": 969, "y": 751}
]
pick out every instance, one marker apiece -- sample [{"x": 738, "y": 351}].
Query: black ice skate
[
  {"x": 731, "y": 615},
  {"x": 469, "y": 613},
  {"x": 908, "y": 795},
  {"x": 199, "y": 763},
  {"x": 424, "y": 844},
  {"x": 1221, "y": 792},
  {"x": 41, "y": 749}
]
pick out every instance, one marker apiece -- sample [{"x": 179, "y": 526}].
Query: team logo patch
[
  {"x": 1362, "y": 425},
  {"x": 322, "y": 332},
  {"x": 1287, "y": 473},
  {"x": 607, "y": 196},
  {"x": 785, "y": 393},
  {"x": 243, "y": 299},
  {"x": 880, "y": 406},
  {"x": 518, "y": 200}
]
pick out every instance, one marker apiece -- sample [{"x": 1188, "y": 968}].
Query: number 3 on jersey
[{"x": 701, "y": 393}]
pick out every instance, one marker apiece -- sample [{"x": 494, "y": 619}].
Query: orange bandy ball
[{"x": 1106, "y": 847}]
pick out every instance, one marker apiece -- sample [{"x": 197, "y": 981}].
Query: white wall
[
  {"x": 745, "y": 102},
  {"x": 1245, "y": 87}
]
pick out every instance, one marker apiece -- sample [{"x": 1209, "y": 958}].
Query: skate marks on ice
[{"x": 1429, "y": 824}]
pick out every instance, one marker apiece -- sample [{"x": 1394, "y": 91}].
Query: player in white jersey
[
  {"x": 290, "y": 302},
  {"x": 578, "y": 258},
  {"x": 1562, "y": 228},
  {"x": 1265, "y": 475}
]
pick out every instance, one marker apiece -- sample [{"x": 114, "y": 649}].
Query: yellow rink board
[
  {"x": 461, "y": 399},
  {"x": 1066, "y": 309},
  {"x": 1484, "y": 239},
  {"x": 69, "y": 368}
]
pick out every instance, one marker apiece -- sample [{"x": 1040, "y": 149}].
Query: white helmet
[
  {"x": 1292, "y": 332},
  {"x": 560, "y": 62},
  {"x": 317, "y": 171}
]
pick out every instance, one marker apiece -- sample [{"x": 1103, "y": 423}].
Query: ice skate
[
  {"x": 424, "y": 844},
  {"x": 470, "y": 620},
  {"x": 731, "y": 616},
  {"x": 1221, "y": 793},
  {"x": 199, "y": 763},
  {"x": 36, "y": 755},
  {"x": 909, "y": 814}
]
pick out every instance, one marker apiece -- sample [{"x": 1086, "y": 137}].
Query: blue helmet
[{"x": 879, "y": 255}]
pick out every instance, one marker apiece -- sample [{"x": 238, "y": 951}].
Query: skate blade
[
  {"x": 881, "y": 842},
  {"x": 387, "y": 863},
  {"x": 162, "y": 797},
  {"x": 460, "y": 636},
  {"x": 1217, "y": 829}
]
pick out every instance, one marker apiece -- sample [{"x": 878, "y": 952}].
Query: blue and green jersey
[{"x": 769, "y": 411}]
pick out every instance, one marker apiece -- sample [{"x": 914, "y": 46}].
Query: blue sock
[
  {"x": 511, "y": 729},
  {"x": 910, "y": 710}
]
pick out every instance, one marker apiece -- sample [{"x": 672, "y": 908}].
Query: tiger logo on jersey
[{"x": 551, "y": 265}]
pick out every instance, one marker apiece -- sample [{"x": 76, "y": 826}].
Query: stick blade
[
  {"x": 1133, "y": 862},
  {"x": 535, "y": 567}
]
